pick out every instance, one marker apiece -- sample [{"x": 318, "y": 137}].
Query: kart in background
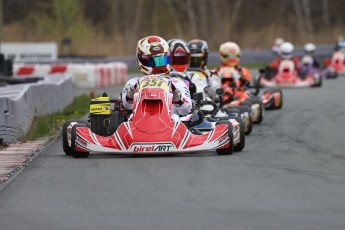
[
  {"x": 287, "y": 77},
  {"x": 236, "y": 96},
  {"x": 307, "y": 67},
  {"x": 338, "y": 62}
]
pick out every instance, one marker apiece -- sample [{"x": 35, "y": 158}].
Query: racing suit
[
  {"x": 240, "y": 73},
  {"x": 205, "y": 81},
  {"x": 181, "y": 107}
]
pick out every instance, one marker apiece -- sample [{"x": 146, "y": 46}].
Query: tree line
[{"x": 112, "y": 27}]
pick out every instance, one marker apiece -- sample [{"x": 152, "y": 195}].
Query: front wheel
[
  {"x": 240, "y": 146},
  {"x": 74, "y": 152},
  {"x": 65, "y": 146},
  {"x": 230, "y": 149}
]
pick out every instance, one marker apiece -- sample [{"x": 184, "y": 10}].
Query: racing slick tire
[
  {"x": 273, "y": 105},
  {"x": 317, "y": 84},
  {"x": 65, "y": 146},
  {"x": 233, "y": 110},
  {"x": 281, "y": 99},
  {"x": 75, "y": 153},
  {"x": 115, "y": 120},
  {"x": 230, "y": 150},
  {"x": 240, "y": 146},
  {"x": 248, "y": 127},
  {"x": 256, "y": 100}
]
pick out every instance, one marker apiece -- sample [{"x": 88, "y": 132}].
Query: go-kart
[
  {"x": 210, "y": 113},
  {"x": 149, "y": 129},
  {"x": 199, "y": 80},
  {"x": 307, "y": 63},
  {"x": 287, "y": 77},
  {"x": 236, "y": 96},
  {"x": 338, "y": 62}
]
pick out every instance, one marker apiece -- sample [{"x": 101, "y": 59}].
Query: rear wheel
[
  {"x": 230, "y": 149},
  {"x": 240, "y": 146},
  {"x": 74, "y": 152},
  {"x": 115, "y": 121},
  {"x": 281, "y": 99},
  {"x": 246, "y": 111},
  {"x": 277, "y": 100},
  {"x": 65, "y": 146},
  {"x": 230, "y": 111},
  {"x": 257, "y": 101}
]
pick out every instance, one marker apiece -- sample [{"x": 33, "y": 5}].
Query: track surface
[{"x": 290, "y": 176}]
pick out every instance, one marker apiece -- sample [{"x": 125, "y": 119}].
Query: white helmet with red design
[
  {"x": 230, "y": 53},
  {"x": 153, "y": 55}
]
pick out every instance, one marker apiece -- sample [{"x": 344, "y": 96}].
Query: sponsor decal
[
  {"x": 159, "y": 147},
  {"x": 223, "y": 139},
  {"x": 97, "y": 109},
  {"x": 81, "y": 141}
]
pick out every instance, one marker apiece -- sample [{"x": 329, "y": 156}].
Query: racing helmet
[
  {"x": 198, "y": 53},
  {"x": 286, "y": 50},
  {"x": 230, "y": 53},
  {"x": 153, "y": 55},
  {"x": 180, "y": 55},
  {"x": 278, "y": 41},
  {"x": 309, "y": 48},
  {"x": 341, "y": 44}
]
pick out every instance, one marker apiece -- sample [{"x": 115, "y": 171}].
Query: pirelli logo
[{"x": 152, "y": 147}]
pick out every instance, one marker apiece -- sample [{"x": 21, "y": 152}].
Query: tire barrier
[
  {"x": 84, "y": 75},
  {"x": 20, "y": 103}
]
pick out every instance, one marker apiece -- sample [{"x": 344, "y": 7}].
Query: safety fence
[
  {"x": 85, "y": 75},
  {"x": 20, "y": 103}
]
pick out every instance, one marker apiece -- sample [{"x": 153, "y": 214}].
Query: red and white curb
[{"x": 16, "y": 156}]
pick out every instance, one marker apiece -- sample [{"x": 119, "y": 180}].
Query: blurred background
[{"x": 112, "y": 27}]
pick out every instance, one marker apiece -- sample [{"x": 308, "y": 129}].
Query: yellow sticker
[{"x": 159, "y": 83}]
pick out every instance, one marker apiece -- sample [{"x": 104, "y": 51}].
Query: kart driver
[
  {"x": 230, "y": 54},
  {"x": 153, "y": 58},
  {"x": 309, "y": 50},
  {"x": 179, "y": 60},
  {"x": 286, "y": 50},
  {"x": 276, "y": 47},
  {"x": 204, "y": 79}
]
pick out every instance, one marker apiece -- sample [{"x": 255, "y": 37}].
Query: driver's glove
[
  {"x": 177, "y": 96},
  {"x": 130, "y": 93}
]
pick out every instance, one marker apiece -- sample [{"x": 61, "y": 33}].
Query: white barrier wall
[
  {"x": 85, "y": 75},
  {"x": 19, "y": 104}
]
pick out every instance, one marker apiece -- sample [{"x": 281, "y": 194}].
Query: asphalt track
[{"x": 291, "y": 175}]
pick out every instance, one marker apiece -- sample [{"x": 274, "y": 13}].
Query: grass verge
[{"x": 49, "y": 125}]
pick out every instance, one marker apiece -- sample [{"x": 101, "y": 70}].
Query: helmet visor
[
  {"x": 180, "y": 60},
  {"x": 230, "y": 55},
  {"x": 196, "y": 59},
  {"x": 155, "y": 61}
]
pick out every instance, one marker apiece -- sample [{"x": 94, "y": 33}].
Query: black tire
[
  {"x": 281, "y": 99},
  {"x": 247, "y": 102},
  {"x": 320, "y": 83},
  {"x": 246, "y": 109},
  {"x": 115, "y": 120},
  {"x": 248, "y": 130},
  {"x": 240, "y": 146},
  {"x": 229, "y": 150},
  {"x": 233, "y": 110},
  {"x": 256, "y": 100},
  {"x": 75, "y": 153},
  {"x": 65, "y": 146},
  {"x": 273, "y": 106}
]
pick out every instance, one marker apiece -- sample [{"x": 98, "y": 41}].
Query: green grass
[{"x": 49, "y": 125}]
